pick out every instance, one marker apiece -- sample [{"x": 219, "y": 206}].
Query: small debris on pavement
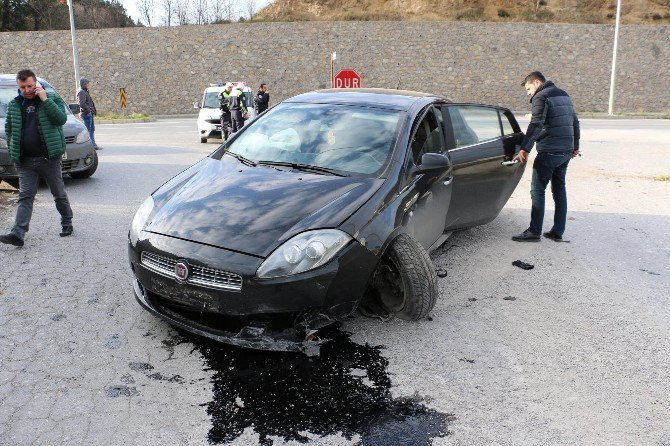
[
  {"x": 441, "y": 273},
  {"x": 523, "y": 265},
  {"x": 509, "y": 298},
  {"x": 469, "y": 361}
]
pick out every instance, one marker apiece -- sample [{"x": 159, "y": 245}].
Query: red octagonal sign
[{"x": 347, "y": 79}]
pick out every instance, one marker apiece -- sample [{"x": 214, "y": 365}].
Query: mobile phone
[{"x": 509, "y": 163}]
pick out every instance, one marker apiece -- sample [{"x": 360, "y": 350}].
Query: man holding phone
[{"x": 34, "y": 128}]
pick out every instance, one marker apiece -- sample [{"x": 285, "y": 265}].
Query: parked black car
[{"x": 328, "y": 197}]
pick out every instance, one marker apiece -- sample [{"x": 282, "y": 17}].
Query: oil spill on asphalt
[{"x": 345, "y": 390}]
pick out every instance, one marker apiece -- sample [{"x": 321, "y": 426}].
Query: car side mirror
[
  {"x": 196, "y": 105},
  {"x": 433, "y": 163},
  {"x": 74, "y": 108}
]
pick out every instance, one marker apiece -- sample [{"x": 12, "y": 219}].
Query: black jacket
[
  {"x": 554, "y": 126},
  {"x": 261, "y": 101}
]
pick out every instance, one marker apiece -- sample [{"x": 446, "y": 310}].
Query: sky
[{"x": 131, "y": 7}]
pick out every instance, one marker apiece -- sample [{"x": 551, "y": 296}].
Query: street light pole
[
  {"x": 610, "y": 109},
  {"x": 75, "y": 57}
]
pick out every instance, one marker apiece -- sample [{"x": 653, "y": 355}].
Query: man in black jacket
[
  {"x": 262, "y": 99},
  {"x": 554, "y": 128}
]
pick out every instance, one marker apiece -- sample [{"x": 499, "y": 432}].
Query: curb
[{"x": 123, "y": 121}]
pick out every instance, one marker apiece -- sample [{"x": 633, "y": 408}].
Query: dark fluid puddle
[{"x": 344, "y": 390}]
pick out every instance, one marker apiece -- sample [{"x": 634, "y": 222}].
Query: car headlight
[
  {"x": 140, "y": 219},
  {"x": 82, "y": 137},
  {"x": 3, "y": 143},
  {"x": 303, "y": 252}
]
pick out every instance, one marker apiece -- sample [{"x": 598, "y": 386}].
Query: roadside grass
[{"x": 113, "y": 116}]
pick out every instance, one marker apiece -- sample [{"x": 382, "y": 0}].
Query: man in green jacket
[{"x": 34, "y": 128}]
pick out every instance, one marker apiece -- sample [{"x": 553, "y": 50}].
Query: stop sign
[{"x": 347, "y": 79}]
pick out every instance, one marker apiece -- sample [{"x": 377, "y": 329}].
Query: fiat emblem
[{"x": 181, "y": 270}]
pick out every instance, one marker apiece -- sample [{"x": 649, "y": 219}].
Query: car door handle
[
  {"x": 448, "y": 181},
  {"x": 509, "y": 163}
]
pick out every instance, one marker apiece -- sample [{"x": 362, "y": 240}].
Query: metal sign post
[
  {"x": 75, "y": 56},
  {"x": 610, "y": 109},
  {"x": 333, "y": 57}
]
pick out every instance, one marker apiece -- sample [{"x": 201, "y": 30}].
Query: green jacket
[{"x": 51, "y": 116}]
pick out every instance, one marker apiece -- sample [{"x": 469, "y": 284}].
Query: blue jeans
[
  {"x": 549, "y": 166},
  {"x": 30, "y": 171},
  {"x": 90, "y": 125}
]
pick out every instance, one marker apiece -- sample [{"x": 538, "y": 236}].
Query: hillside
[{"x": 562, "y": 11}]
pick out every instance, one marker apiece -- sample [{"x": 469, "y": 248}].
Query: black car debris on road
[{"x": 330, "y": 198}]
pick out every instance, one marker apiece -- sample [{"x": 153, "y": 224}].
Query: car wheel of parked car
[
  {"x": 406, "y": 280},
  {"x": 203, "y": 140},
  {"x": 88, "y": 172}
]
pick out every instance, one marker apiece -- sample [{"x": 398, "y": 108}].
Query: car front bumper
[
  {"x": 269, "y": 314},
  {"x": 79, "y": 157}
]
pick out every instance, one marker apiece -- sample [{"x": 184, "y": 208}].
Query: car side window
[
  {"x": 506, "y": 124},
  {"x": 473, "y": 124},
  {"x": 427, "y": 137}
]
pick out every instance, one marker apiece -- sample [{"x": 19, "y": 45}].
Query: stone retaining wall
[{"x": 164, "y": 70}]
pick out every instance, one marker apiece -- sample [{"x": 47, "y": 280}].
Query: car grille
[
  {"x": 70, "y": 139},
  {"x": 69, "y": 164},
  {"x": 200, "y": 275},
  {"x": 214, "y": 121}
]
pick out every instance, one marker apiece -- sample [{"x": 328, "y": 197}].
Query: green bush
[
  {"x": 471, "y": 15},
  {"x": 503, "y": 13}
]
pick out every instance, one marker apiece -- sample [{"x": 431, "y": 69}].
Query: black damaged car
[{"x": 328, "y": 198}]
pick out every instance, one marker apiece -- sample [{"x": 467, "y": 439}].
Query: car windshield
[
  {"x": 9, "y": 92},
  {"x": 348, "y": 139},
  {"x": 211, "y": 100}
]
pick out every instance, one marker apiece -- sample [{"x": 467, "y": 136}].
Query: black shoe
[
  {"x": 67, "y": 230},
  {"x": 11, "y": 239},
  {"x": 97, "y": 148},
  {"x": 552, "y": 235},
  {"x": 526, "y": 236}
]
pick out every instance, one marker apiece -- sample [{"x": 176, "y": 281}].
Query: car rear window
[{"x": 353, "y": 140}]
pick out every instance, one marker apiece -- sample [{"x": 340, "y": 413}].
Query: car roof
[
  {"x": 371, "y": 97},
  {"x": 10, "y": 79}
]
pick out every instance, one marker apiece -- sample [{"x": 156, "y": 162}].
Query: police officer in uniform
[
  {"x": 262, "y": 99},
  {"x": 225, "y": 110},
  {"x": 237, "y": 108}
]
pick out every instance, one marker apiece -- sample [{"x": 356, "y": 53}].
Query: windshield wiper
[
  {"x": 244, "y": 160},
  {"x": 305, "y": 167}
]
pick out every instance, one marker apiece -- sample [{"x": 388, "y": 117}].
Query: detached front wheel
[{"x": 406, "y": 280}]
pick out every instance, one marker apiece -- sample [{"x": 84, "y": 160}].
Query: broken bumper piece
[{"x": 254, "y": 335}]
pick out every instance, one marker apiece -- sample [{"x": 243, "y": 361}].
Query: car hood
[{"x": 254, "y": 209}]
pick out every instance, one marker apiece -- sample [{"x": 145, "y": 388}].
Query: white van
[{"x": 209, "y": 118}]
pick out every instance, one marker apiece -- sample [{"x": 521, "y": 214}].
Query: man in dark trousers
[
  {"x": 34, "y": 128},
  {"x": 237, "y": 108},
  {"x": 262, "y": 99},
  {"x": 554, "y": 128},
  {"x": 88, "y": 111},
  {"x": 225, "y": 111}
]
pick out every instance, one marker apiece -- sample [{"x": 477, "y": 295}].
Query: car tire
[
  {"x": 88, "y": 172},
  {"x": 410, "y": 289},
  {"x": 203, "y": 140}
]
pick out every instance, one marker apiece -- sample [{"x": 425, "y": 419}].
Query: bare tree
[
  {"x": 182, "y": 11},
  {"x": 201, "y": 12},
  {"x": 251, "y": 8},
  {"x": 168, "y": 9},
  {"x": 146, "y": 8}
]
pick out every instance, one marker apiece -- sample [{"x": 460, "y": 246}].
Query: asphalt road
[{"x": 574, "y": 351}]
